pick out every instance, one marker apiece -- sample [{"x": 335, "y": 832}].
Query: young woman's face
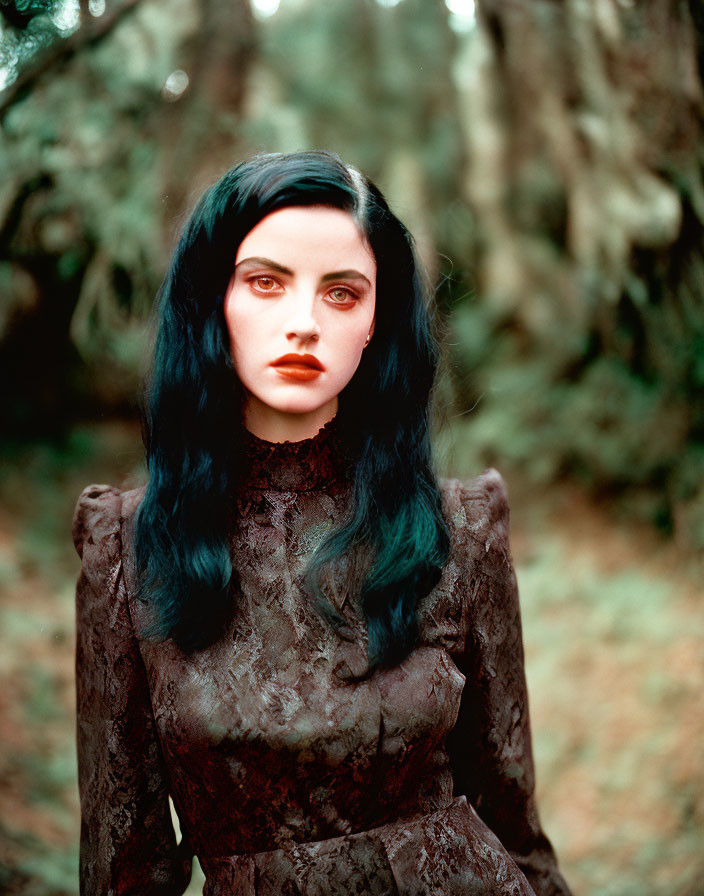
[{"x": 299, "y": 310}]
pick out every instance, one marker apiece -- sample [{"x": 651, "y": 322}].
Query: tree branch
[{"x": 63, "y": 49}]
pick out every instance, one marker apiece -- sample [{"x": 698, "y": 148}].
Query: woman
[{"x": 294, "y": 631}]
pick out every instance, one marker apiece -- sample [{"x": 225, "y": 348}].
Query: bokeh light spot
[
  {"x": 463, "y": 14},
  {"x": 67, "y": 16},
  {"x": 175, "y": 85},
  {"x": 265, "y": 8}
]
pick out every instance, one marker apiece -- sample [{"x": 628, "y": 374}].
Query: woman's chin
[{"x": 302, "y": 411}]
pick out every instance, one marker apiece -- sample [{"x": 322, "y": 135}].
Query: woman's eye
[
  {"x": 264, "y": 284},
  {"x": 340, "y": 295}
]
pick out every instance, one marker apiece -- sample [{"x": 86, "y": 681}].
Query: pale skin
[{"x": 304, "y": 285}]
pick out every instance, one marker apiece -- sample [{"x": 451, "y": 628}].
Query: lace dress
[{"x": 291, "y": 768}]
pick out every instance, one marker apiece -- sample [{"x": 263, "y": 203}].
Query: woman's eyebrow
[
  {"x": 350, "y": 274},
  {"x": 264, "y": 262},
  {"x": 345, "y": 275}
]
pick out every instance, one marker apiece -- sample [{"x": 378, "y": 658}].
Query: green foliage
[
  {"x": 40, "y": 483},
  {"x": 600, "y": 422},
  {"x": 26, "y": 28},
  {"x": 83, "y": 152},
  {"x": 606, "y": 636},
  {"x": 613, "y": 395},
  {"x": 598, "y": 371}
]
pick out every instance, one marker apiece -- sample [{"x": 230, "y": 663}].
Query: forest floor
[{"x": 613, "y": 618}]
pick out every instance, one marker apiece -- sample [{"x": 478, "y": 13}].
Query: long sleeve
[
  {"x": 490, "y": 745},
  {"x": 128, "y": 844}
]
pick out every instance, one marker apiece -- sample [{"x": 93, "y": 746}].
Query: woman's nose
[{"x": 302, "y": 324}]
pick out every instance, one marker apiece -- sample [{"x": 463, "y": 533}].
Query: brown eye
[{"x": 264, "y": 284}]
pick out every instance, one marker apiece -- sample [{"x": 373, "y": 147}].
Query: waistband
[{"x": 448, "y": 851}]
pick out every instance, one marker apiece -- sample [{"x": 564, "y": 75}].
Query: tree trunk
[{"x": 198, "y": 133}]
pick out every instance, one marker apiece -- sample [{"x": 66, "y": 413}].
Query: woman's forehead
[{"x": 317, "y": 234}]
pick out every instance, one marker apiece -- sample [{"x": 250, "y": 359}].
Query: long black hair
[{"x": 183, "y": 561}]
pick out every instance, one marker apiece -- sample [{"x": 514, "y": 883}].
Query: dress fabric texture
[{"x": 292, "y": 768}]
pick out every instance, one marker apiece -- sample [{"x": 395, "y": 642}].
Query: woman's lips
[
  {"x": 297, "y": 371},
  {"x": 298, "y": 367}
]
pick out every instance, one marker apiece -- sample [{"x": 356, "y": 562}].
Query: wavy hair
[{"x": 184, "y": 568}]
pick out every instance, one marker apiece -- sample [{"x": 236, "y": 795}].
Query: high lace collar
[{"x": 306, "y": 465}]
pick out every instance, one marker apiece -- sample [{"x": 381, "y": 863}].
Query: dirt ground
[
  {"x": 613, "y": 625},
  {"x": 613, "y": 620}
]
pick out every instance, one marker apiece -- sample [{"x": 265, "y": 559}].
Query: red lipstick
[{"x": 298, "y": 367}]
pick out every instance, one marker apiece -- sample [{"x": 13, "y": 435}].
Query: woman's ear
[{"x": 371, "y": 332}]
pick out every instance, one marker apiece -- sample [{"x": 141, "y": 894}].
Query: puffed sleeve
[
  {"x": 490, "y": 745},
  {"x": 128, "y": 844}
]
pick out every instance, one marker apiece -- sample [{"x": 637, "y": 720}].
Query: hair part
[{"x": 361, "y": 189}]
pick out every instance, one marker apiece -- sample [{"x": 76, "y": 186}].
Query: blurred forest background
[{"x": 549, "y": 158}]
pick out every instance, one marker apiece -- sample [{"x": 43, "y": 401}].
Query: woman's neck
[{"x": 272, "y": 425}]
